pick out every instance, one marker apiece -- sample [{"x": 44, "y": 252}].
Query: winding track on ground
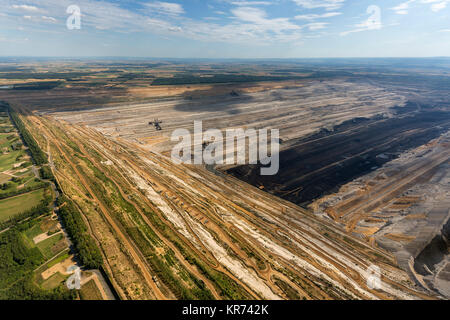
[{"x": 138, "y": 259}]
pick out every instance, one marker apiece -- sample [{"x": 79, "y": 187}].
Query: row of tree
[
  {"x": 88, "y": 252},
  {"x": 16, "y": 192},
  {"x": 46, "y": 173},
  {"x": 37, "y": 154}
]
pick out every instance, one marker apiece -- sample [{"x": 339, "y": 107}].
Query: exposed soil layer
[
  {"x": 434, "y": 253},
  {"x": 321, "y": 163}
]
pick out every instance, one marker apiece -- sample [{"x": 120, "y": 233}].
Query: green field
[
  {"x": 52, "y": 246},
  {"x": 23, "y": 184},
  {"x": 8, "y": 160},
  {"x": 18, "y": 260},
  {"x": 54, "y": 281},
  {"x": 89, "y": 291},
  {"x": 22, "y": 213},
  {"x": 20, "y": 189},
  {"x": 11, "y": 206},
  {"x": 8, "y": 141},
  {"x": 34, "y": 231},
  {"x": 58, "y": 259}
]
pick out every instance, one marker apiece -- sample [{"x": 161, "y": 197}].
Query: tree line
[
  {"x": 41, "y": 208},
  {"x": 17, "y": 192},
  {"x": 37, "y": 154},
  {"x": 86, "y": 248}
]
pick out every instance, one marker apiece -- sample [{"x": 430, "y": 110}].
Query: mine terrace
[{"x": 359, "y": 143}]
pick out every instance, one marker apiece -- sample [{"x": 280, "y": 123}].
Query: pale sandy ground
[
  {"x": 59, "y": 267},
  {"x": 43, "y": 236}
]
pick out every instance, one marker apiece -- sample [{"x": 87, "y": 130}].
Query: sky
[{"x": 225, "y": 28}]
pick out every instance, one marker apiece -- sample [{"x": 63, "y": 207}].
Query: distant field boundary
[{"x": 219, "y": 79}]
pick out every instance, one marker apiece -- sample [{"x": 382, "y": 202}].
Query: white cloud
[
  {"x": 316, "y": 26},
  {"x": 317, "y": 16},
  {"x": 402, "y": 8},
  {"x": 244, "y": 24},
  {"x": 166, "y": 7},
  {"x": 251, "y": 3},
  {"x": 13, "y": 40},
  {"x": 436, "y": 5},
  {"x": 326, "y": 4},
  {"x": 51, "y": 19},
  {"x": 25, "y": 7},
  {"x": 258, "y": 18}
]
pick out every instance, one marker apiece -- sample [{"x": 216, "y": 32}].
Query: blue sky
[{"x": 227, "y": 28}]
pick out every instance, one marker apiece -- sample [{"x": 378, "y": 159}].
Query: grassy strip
[
  {"x": 58, "y": 259},
  {"x": 23, "y": 190}
]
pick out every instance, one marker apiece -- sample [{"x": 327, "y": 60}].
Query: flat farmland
[{"x": 11, "y": 206}]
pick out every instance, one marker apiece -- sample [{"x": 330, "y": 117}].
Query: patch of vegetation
[
  {"x": 228, "y": 288},
  {"x": 34, "y": 230},
  {"x": 41, "y": 208},
  {"x": 16, "y": 205},
  {"x": 164, "y": 272},
  {"x": 37, "y": 154},
  {"x": 87, "y": 250},
  {"x": 218, "y": 78},
  {"x": 5, "y": 191},
  {"x": 42, "y": 85},
  {"x": 290, "y": 292},
  {"x": 89, "y": 291},
  {"x": 17, "y": 263},
  {"x": 54, "y": 281},
  {"x": 8, "y": 159},
  {"x": 46, "y": 173},
  {"x": 145, "y": 238},
  {"x": 50, "y": 247},
  {"x": 58, "y": 259}
]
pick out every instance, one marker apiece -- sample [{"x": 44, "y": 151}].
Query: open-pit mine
[{"x": 363, "y": 180}]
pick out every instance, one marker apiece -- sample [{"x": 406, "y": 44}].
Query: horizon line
[{"x": 220, "y": 58}]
